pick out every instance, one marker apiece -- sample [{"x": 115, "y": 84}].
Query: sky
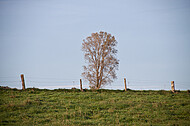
[{"x": 43, "y": 38}]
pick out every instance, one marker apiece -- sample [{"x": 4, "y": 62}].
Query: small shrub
[
  {"x": 188, "y": 91},
  {"x": 177, "y": 91}
]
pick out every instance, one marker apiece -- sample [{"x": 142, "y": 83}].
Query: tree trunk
[{"x": 97, "y": 85}]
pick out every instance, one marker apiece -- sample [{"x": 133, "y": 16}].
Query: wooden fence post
[
  {"x": 172, "y": 86},
  {"x": 125, "y": 84},
  {"x": 81, "y": 85},
  {"x": 23, "y": 83}
]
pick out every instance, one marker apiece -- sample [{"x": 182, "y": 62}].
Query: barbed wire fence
[{"x": 61, "y": 83}]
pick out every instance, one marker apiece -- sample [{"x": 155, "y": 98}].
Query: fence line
[{"x": 69, "y": 83}]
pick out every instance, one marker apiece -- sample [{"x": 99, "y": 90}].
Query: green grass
[{"x": 102, "y": 107}]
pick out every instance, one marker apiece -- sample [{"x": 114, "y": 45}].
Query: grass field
[{"x": 101, "y": 107}]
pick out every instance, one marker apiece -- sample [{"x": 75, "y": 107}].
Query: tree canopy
[{"x": 100, "y": 55}]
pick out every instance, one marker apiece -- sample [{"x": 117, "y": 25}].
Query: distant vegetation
[{"x": 93, "y": 107}]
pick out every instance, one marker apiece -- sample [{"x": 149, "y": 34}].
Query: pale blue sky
[{"x": 42, "y": 39}]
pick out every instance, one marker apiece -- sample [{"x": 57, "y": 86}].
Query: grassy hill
[{"x": 102, "y": 107}]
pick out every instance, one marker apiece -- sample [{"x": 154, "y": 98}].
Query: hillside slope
[{"x": 102, "y": 107}]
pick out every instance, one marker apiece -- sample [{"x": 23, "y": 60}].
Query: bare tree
[{"x": 100, "y": 56}]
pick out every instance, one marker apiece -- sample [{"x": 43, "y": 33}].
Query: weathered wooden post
[
  {"x": 125, "y": 84},
  {"x": 23, "y": 83},
  {"x": 81, "y": 85},
  {"x": 172, "y": 86}
]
